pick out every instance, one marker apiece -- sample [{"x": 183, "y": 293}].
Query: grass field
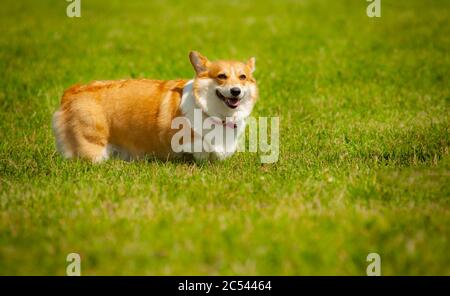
[{"x": 364, "y": 141}]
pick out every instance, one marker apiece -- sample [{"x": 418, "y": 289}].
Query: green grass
[{"x": 364, "y": 137}]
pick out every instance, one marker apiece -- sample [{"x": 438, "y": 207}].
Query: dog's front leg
[{"x": 201, "y": 150}]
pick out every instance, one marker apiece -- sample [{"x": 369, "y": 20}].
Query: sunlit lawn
[{"x": 364, "y": 137}]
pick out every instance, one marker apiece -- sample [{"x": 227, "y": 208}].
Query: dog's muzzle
[{"x": 233, "y": 102}]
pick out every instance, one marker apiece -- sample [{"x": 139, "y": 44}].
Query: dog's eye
[
  {"x": 222, "y": 76},
  {"x": 242, "y": 77}
]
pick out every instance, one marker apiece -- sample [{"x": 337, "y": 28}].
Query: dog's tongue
[{"x": 233, "y": 102}]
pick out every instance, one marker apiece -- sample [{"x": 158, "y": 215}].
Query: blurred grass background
[{"x": 364, "y": 135}]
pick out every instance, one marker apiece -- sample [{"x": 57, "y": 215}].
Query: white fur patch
[
  {"x": 210, "y": 105},
  {"x": 103, "y": 156},
  {"x": 62, "y": 149}
]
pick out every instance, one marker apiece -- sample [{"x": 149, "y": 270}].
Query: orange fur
[{"x": 135, "y": 115}]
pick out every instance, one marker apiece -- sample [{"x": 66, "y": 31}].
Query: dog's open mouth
[{"x": 230, "y": 102}]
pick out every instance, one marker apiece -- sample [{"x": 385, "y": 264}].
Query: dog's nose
[{"x": 235, "y": 91}]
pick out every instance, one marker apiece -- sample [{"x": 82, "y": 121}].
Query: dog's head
[{"x": 224, "y": 88}]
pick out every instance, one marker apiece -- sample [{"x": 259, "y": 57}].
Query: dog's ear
[
  {"x": 199, "y": 62},
  {"x": 251, "y": 64}
]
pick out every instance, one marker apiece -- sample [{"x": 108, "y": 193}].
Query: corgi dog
[{"x": 135, "y": 118}]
